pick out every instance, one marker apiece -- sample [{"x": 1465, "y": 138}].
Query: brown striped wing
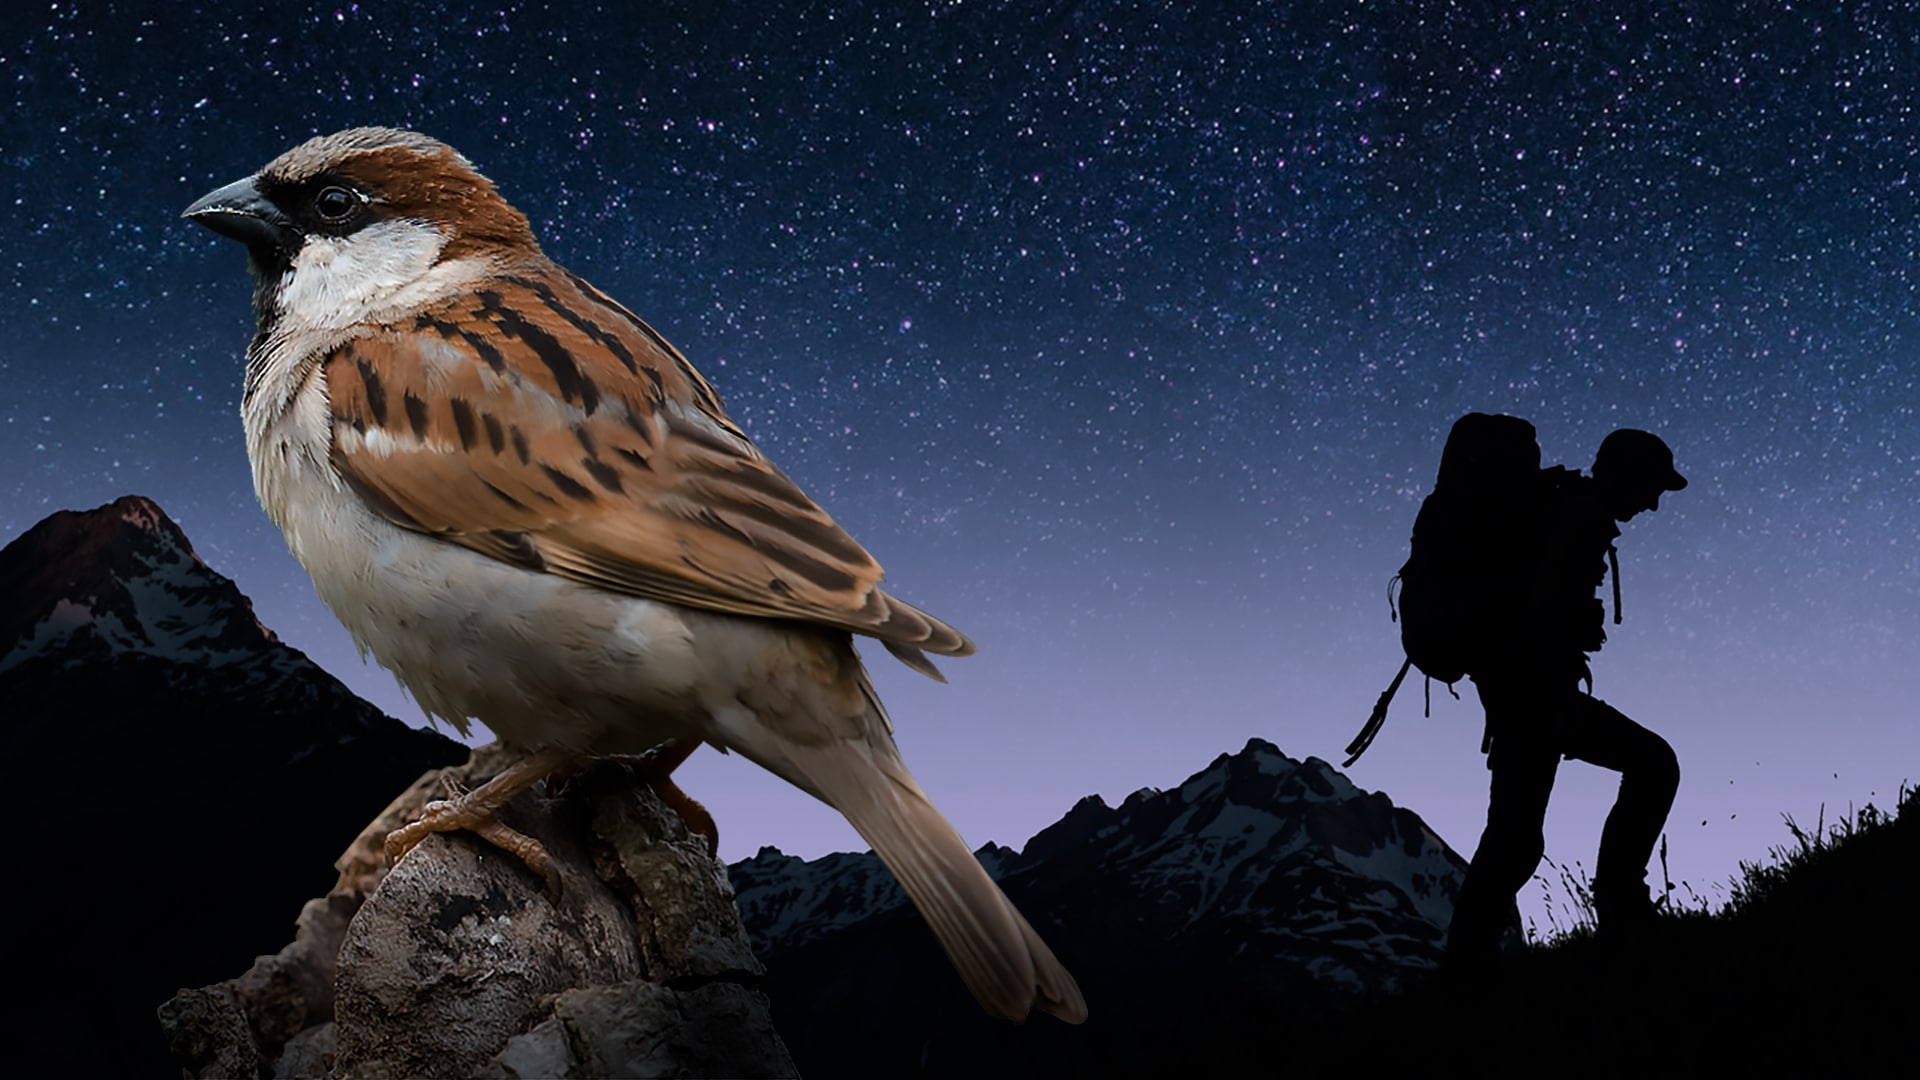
[{"x": 536, "y": 421}]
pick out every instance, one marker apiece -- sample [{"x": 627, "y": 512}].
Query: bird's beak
[{"x": 240, "y": 212}]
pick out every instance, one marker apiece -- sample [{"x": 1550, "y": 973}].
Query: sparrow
[{"x": 532, "y": 509}]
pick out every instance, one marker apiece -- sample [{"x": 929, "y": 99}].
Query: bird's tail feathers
[{"x": 1000, "y": 957}]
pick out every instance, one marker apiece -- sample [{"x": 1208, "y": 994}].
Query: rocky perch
[{"x": 457, "y": 963}]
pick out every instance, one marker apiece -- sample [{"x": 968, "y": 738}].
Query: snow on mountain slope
[{"x": 1258, "y": 853}]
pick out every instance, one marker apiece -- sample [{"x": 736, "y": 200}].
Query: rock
[
  {"x": 644, "y": 1029},
  {"x": 309, "y": 1053},
  {"x": 208, "y": 1028},
  {"x": 458, "y": 963}
]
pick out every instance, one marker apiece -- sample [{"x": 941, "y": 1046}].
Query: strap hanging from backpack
[
  {"x": 1374, "y": 721},
  {"x": 1613, "y": 564}
]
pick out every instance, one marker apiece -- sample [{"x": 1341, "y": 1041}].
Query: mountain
[
  {"x": 1268, "y": 918},
  {"x": 1262, "y": 886},
  {"x": 178, "y": 782}
]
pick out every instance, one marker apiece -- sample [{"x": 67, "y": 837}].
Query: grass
[
  {"x": 1569, "y": 908},
  {"x": 1766, "y": 883},
  {"x": 1802, "y": 967}
]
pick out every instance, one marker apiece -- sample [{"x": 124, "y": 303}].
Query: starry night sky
[{"x": 1125, "y": 337}]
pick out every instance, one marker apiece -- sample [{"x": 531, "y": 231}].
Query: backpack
[{"x": 1463, "y": 581}]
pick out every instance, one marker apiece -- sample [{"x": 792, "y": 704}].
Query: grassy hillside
[{"x": 1811, "y": 967}]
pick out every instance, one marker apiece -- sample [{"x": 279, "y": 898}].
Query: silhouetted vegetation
[
  {"x": 1802, "y": 965},
  {"x": 1786, "y": 871},
  {"x": 1805, "y": 968}
]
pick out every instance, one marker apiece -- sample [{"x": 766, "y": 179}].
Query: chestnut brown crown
[{"x": 336, "y": 185}]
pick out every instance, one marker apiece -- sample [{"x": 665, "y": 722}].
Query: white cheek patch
[
  {"x": 338, "y": 287},
  {"x": 336, "y": 282},
  {"x": 318, "y": 252}
]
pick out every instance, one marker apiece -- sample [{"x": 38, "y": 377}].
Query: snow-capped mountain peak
[
  {"x": 120, "y": 579},
  {"x": 1278, "y": 856}
]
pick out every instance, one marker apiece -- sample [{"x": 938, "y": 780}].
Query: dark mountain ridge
[
  {"x": 1261, "y": 882},
  {"x": 184, "y": 780},
  {"x": 181, "y": 781},
  {"x": 1808, "y": 970}
]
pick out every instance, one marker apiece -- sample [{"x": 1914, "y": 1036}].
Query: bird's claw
[{"x": 453, "y": 815}]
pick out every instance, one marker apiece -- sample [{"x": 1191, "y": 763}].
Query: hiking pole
[{"x": 1374, "y": 721}]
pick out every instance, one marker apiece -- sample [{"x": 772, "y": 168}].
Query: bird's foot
[
  {"x": 655, "y": 769},
  {"x": 452, "y": 815},
  {"x": 477, "y": 811}
]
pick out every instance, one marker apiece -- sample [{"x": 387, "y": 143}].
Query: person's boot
[
  {"x": 1624, "y": 911},
  {"x": 1477, "y": 937}
]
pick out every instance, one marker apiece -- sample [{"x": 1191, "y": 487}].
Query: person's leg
[
  {"x": 1649, "y": 777},
  {"x": 1523, "y": 764}
]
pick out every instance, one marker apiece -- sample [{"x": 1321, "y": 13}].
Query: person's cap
[{"x": 1631, "y": 451}]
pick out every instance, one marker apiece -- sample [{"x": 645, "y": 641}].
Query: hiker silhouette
[{"x": 1541, "y": 617}]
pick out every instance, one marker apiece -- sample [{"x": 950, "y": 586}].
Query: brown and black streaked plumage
[
  {"x": 636, "y": 483},
  {"x": 531, "y": 508}
]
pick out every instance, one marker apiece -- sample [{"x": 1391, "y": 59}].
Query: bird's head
[{"x": 343, "y": 224}]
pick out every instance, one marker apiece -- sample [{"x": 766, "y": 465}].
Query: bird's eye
[{"x": 335, "y": 204}]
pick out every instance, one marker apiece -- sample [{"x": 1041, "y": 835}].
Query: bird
[{"x": 529, "y": 506}]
